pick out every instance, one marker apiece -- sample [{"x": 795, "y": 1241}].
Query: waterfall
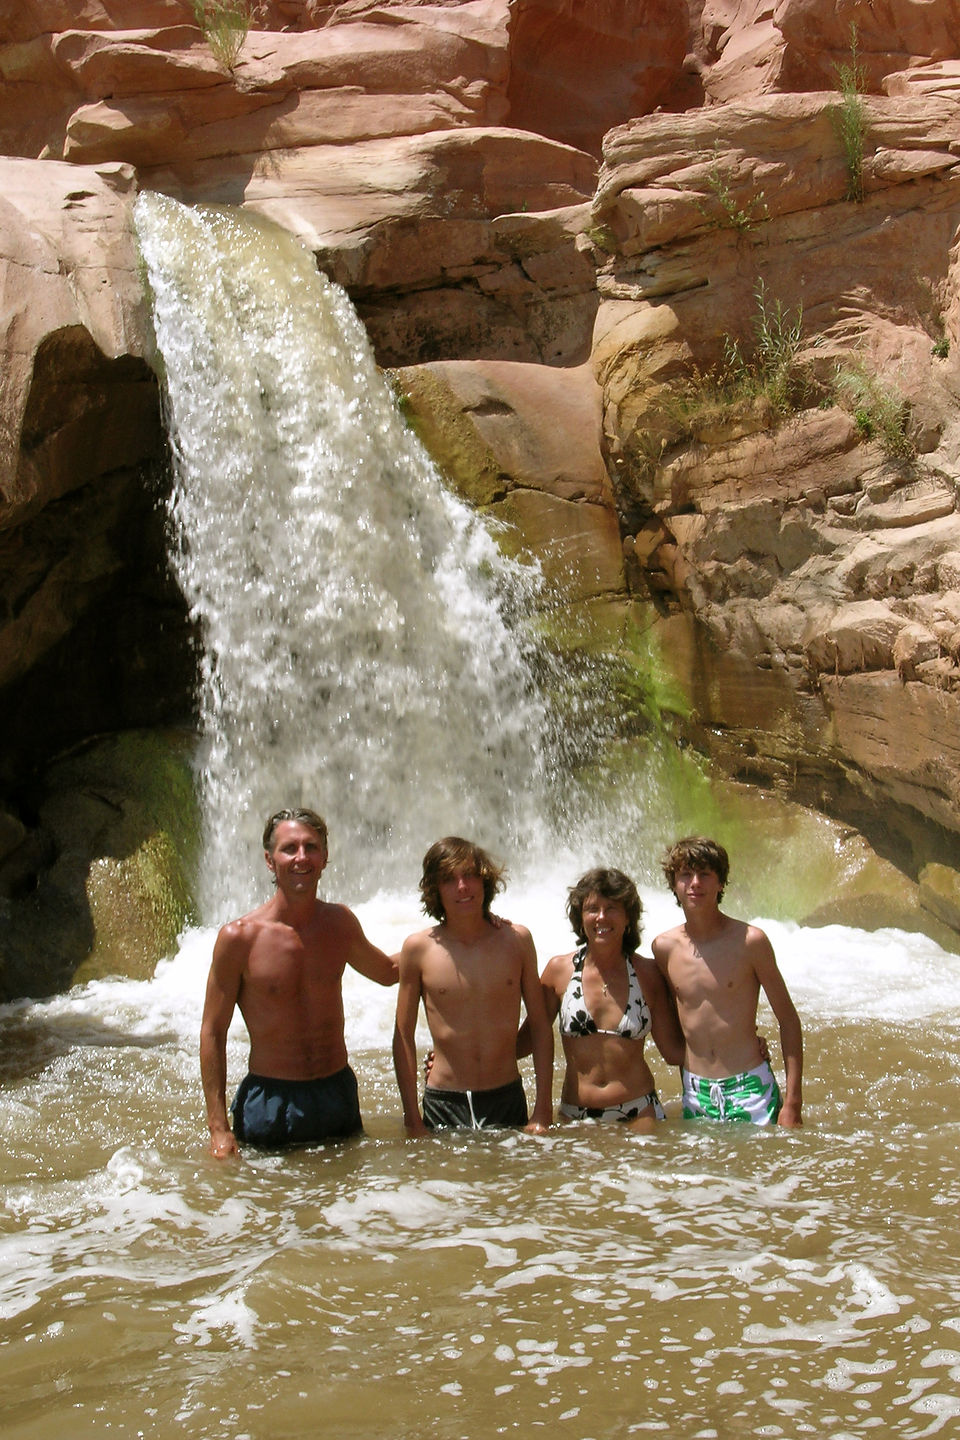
[{"x": 360, "y": 647}]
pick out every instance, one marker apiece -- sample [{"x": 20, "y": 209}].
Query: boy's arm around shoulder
[
  {"x": 764, "y": 962},
  {"x": 549, "y": 981},
  {"x": 540, "y": 1030},
  {"x": 664, "y": 1020},
  {"x": 230, "y": 954},
  {"x": 405, "y": 1032}
]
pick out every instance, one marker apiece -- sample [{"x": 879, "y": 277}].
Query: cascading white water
[{"x": 355, "y": 617}]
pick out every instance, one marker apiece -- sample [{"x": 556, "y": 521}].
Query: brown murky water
[{"x": 708, "y": 1282}]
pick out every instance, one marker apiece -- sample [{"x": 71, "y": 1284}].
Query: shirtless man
[
  {"x": 471, "y": 973},
  {"x": 716, "y": 968},
  {"x": 283, "y": 965}
]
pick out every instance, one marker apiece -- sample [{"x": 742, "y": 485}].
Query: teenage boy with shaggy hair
[
  {"x": 471, "y": 972},
  {"x": 716, "y": 967}
]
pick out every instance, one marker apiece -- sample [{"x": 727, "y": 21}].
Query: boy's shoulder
[
  {"x": 422, "y": 941},
  {"x": 668, "y": 938}
]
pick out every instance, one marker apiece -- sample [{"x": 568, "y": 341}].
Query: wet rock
[{"x": 940, "y": 893}]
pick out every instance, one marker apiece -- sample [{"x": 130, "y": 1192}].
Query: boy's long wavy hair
[
  {"x": 696, "y": 852},
  {"x": 454, "y": 856}
]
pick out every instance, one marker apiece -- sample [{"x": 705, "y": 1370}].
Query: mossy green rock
[{"x": 119, "y": 832}]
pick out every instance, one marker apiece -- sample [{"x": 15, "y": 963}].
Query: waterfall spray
[{"x": 359, "y": 650}]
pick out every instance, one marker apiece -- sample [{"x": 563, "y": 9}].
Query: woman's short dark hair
[
  {"x": 696, "y": 852},
  {"x": 611, "y": 885},
  {"x": 454, "y": 856}
]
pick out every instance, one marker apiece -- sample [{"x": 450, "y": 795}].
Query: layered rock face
[
  {"x": 610, "y": 250},
  {"x": 802, "y": 560}
]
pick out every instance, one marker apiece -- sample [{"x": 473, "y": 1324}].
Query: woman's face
[{"x": 604, "y": 921}]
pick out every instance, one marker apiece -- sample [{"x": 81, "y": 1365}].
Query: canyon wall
[{"x": 639, "y": 307}]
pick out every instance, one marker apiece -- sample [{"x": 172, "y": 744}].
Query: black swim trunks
[
  {"x": 273, "y": 1113},
  {"x": 505, "y": 1106}
]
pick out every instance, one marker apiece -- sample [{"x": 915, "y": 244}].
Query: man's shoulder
[
  {"x": 739, "y": 934},
  {"x": 753, "y": 939},
  {"x": 245, "y": 928},
  {"x": 667, "y": 939},
  {"x": 332, "y": 915}
]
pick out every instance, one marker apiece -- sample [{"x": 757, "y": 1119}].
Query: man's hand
[
  {"x": 416, "y": 1130},
  {"x": 536, "y": 1127},
  {"x": 789, "y": 1117},
  {"x": 223, "y": 1143}
]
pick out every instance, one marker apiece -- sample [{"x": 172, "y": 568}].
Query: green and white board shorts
[{"x": 752, "y": 1096}]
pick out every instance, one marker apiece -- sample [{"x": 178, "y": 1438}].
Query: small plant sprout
[
  {"x": 733, "y": 215},
  {"x": 880, "y": 411}
]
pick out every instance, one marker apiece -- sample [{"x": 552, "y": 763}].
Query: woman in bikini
[{"x": 609, "y": 999}]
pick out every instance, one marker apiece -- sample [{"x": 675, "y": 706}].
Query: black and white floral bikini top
[{"x": 575, "y": 1018}]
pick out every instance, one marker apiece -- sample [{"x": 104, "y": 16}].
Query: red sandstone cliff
[{"x": 567, "y": 204}]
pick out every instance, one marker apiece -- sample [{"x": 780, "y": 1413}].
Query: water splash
[{"x": 360, "y": 653}]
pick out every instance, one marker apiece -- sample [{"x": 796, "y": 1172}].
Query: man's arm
[
  {"x": 541, "y": 1037},
  {"x": 365, "y": 958},
  {"x": 791, "y": 1034},
  {"x": 223, "y": 988},
  {"x": 404, "y": 1039}
]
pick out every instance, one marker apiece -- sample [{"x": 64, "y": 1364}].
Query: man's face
[
  {"x": 696, "y": 889},
  {"x": 297, "y": 858},
  {"x": 461, "y": 893}
]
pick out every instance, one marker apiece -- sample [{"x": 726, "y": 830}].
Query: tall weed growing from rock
[
  {"x": 771, "y": 372},
  {"x": 850, "y": 118},
  {"x": 225, "y": 25}
]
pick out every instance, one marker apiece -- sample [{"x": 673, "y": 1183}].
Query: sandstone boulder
[
  {"x": 523, "y": 442},
  {"x": 940, "y": 893},
  {"x": 495, "y": 427}
]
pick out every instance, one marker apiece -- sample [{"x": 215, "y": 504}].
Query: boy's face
[
  {"x": 461, "y": 892},
  {"x": 696, "y": 889}
]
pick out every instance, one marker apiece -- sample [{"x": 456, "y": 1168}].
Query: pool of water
[{"x": 705, "y": 1282}]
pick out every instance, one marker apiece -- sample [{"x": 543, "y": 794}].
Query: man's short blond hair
[{"x": 302, "y": 817}]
